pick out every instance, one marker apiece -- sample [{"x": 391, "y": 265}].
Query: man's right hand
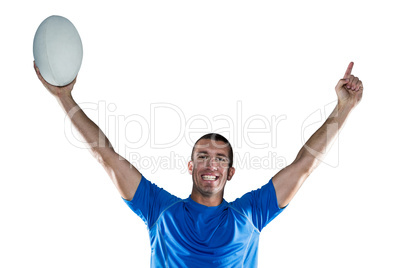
[{"x": 55, "y": 90}]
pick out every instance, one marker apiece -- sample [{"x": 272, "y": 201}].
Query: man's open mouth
[{"x": 209, "y": 177}]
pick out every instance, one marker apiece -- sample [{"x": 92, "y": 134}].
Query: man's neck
[{"x": 209, "y": 201}]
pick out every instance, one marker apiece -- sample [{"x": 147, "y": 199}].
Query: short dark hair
[{"x": 216, "y": 137}]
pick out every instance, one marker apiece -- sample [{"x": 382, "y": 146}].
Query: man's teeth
[{"x": 209, "y": 178}]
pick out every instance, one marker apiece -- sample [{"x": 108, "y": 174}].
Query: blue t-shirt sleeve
[
  {"x": 260, "y": 206},
  {"x": 150, "y": 201}
]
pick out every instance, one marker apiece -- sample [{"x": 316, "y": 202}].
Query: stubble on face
[{"x": 210, "y": 169}]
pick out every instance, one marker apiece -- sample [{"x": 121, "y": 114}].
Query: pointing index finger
[{"x": 348, "y": 70}]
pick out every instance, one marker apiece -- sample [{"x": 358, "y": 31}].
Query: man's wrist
[
  {"x": 62, "y": 95},
  {"x": 345, "y": 107}
]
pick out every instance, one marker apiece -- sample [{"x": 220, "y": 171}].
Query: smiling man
[
  {"x": 211, "y": 167},
  {"x": 204, "y": 230}
]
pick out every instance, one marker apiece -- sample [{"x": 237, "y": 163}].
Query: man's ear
[
  {"x": 190, "y": 167},
  {"x": 231, "y": 173}
]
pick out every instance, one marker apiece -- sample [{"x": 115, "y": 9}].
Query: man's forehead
[{"x": 207, "y": 145}]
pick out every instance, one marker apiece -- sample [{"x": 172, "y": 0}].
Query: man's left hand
[{"x": 349, "y": 89}]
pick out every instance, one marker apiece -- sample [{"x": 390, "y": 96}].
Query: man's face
[{"x": 210, "y": 168}]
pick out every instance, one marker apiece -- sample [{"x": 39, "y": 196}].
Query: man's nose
[{"x": 213, "y": 163}]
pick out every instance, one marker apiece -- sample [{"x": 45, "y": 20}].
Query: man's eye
[{"x": 221, "y": 159}]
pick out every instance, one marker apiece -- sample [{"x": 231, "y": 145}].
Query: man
[{"x": 204, "y": 230}]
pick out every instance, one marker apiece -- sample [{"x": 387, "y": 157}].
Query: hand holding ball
[{"x": 57, "y": 50}]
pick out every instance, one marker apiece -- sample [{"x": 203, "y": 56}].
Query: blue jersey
[{"x": 184, "y": 233}]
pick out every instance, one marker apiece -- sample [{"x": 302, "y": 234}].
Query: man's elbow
[
  {"x": 103, "y": 155},
  {"x": 306, "y": 165}
]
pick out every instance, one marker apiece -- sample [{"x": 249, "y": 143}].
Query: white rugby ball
[{"x": 57, "y": 50}]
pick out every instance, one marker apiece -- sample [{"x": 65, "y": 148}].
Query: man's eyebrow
[{"x": 218, "y": 154}]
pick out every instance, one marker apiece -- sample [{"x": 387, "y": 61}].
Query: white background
[{"x": 58, "y": 208}]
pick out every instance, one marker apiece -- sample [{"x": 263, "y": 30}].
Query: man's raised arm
[
  {"x": 125, "y": 177},
  {"x": 288, "y": 181}
]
